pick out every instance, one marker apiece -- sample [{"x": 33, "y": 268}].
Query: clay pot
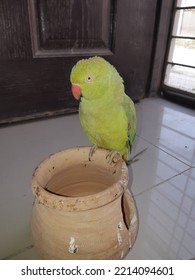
[{"x": 82, "y": 208}]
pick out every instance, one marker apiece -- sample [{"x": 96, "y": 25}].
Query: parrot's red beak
[{"x": 76, "y": 91}]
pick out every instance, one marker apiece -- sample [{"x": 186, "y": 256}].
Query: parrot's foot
[
  {"x": 92, "y": 151},
  {"x": 113, "y": 157},
  {"x": 135, "y": 157}
]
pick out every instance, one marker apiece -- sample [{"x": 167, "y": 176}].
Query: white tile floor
[{"x": 163, "y": 179}]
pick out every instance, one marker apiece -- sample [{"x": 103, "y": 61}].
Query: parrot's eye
[{"x": 88, "y": 79}]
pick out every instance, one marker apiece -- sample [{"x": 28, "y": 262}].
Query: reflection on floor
[{"x": 163, "y": 179}]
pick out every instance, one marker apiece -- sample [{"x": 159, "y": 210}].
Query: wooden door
[{"x": 41, "y": 40}]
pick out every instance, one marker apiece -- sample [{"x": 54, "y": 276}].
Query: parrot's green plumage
[{"x": 107, "y": 114}]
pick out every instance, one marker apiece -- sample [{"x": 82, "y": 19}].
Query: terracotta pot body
[{"x": 82, "y": 208}]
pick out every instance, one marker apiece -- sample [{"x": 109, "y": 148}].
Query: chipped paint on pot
[{"x": 73, "y": 248}]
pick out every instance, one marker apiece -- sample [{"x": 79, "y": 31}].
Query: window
[{"x": 180, "y": 65}]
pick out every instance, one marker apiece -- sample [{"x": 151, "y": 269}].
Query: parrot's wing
[{"x": 131, "y": 119}]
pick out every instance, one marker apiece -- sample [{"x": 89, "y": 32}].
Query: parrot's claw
[
  {"x": 92, "y": 151},
  {"x": 113, "y": 157}
]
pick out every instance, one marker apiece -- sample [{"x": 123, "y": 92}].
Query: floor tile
[
  {"x": 25, "y": 254},
  {"x": 166, "y": 223},
  {"x": 153, "y": 167},
  {"x": 168, "y": 126}
]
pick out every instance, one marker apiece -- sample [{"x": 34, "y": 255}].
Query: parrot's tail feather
[{"x": 134, "y": 158}]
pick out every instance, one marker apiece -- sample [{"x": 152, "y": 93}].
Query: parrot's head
[{"x": 91, "y": 78}]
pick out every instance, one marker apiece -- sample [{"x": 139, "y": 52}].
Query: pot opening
[{"x": 81, "y": 180}]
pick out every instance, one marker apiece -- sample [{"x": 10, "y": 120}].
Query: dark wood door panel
[
  {"x": 64, "y": 28},
  {"x": 43, "y": 89},
  {"x": 14, "y": 30},
  {"x": 134, "y": 31}
]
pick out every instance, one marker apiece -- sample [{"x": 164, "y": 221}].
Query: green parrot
[{"x": 106, "y": 113}]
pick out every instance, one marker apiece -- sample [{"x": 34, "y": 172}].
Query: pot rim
[{"x": 80, "y": 203}]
